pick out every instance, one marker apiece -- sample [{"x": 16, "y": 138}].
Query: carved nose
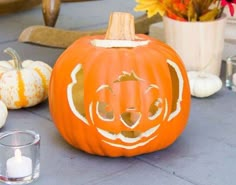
[{"x": 130, "y": 118}]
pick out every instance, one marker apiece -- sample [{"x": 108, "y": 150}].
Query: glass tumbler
[
  {"x": 230, "y": 82},
  {"x": 19, "y": 156}
]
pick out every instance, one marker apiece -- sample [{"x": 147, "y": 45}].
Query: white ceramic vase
[{"x": 199, "y": 44}]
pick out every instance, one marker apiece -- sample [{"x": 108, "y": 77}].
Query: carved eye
[
  {"x": 155, "y": 109},
  {"x": 104, "y": 111},
  {"x": 156, "y": 106}
]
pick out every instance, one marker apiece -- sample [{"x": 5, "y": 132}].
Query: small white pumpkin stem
[
  {"x": 15, "y": 57},
  {"x": 120, "y": 27}
]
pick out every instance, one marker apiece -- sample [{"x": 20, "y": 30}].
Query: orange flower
[{"x": 171, "y": 15}]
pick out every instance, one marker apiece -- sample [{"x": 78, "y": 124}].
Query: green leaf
[{"x": 210, "y": 15}]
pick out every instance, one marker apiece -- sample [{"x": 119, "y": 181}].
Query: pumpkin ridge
[
  {"x": 44, "y": 82},
  {"x": 22, "y": 101},
  {"x": 151, "y": 71}
]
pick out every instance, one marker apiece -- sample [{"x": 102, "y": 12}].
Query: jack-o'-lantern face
[{"x": 131, "y": 123}]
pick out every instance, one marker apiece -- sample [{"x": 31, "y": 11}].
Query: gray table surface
[{"x": 205, "y": 154}]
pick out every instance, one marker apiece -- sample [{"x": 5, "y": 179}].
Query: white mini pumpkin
[
  {"x": 3, "y": 114},
  {"x": 203, "y": 84},
  {"x": 23, "y": 84}
]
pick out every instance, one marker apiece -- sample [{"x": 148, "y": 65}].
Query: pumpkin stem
[
  {"x": 15, "y": 57},
  {"x": 120, "y": 27}
]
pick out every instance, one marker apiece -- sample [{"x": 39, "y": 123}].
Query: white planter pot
[{"x": 199, "y": 44}]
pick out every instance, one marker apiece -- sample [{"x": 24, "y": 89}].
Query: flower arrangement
[{"x": 186, "y": 10}]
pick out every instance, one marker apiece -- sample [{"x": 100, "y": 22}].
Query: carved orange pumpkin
[{"x": 119, "y": 101}]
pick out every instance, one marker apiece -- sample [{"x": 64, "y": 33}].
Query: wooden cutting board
[{"x": 61, "y": 38}]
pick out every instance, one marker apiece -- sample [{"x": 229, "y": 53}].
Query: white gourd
[
  {"x": 23, "y": 83},
  {"x": 203, "y": 84},
  {"x": 3, "y": 114}
]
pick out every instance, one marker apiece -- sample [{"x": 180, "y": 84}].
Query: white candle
[
  {"x": 19, "y": 166},
  {"x": 234, "y": 79}
]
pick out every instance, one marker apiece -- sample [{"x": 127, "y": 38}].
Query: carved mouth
[
  {"x": 129, "y": 147},
  {"x": 128, "y": 136}
]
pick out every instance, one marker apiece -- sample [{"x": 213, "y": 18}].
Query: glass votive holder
[
  {"x": 230, "y": 81},
  {"x": 19, "y": 157}
]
